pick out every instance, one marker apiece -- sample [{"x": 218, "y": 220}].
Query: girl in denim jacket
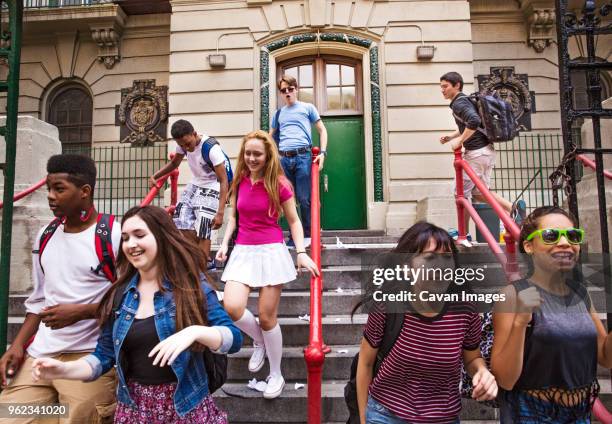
[{"x": 167, "y": 316}]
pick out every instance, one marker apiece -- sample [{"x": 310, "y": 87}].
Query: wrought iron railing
[
  {"x": 123, "y": 175},
  {"x": 523, "y": 166},
  {"x": 40, "y": 4}
]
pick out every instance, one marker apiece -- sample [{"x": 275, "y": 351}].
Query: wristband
[
  {"x": 323, "y": 152},
  {"x": 304, "y": 252}
]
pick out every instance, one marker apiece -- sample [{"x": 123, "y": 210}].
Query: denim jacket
[{"x": 192, "y": 386}]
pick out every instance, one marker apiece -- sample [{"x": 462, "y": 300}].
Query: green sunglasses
[{"x": 553, "y": 235}]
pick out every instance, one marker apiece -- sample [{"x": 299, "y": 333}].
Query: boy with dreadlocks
[{"x": 73, "y": 267}]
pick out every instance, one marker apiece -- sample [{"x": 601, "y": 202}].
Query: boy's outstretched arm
[
  {"x": 223, "y": 189},
  {"x": 169, "y": 167}
]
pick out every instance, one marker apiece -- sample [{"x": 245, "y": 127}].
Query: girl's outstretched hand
[
  {"x": 47, "y": 369},
  {"x": 167, "y": 350},
  {"x": 304, "y": 261}
]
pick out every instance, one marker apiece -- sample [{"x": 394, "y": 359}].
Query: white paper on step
[
  {"x": 260, "y": 386},
  {"x": 304, "y": 317},
  {"x": 299, "y": 386}
]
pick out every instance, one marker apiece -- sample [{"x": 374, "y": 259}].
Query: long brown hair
[
  {"x": 179, "y": 260},
  {"x": 273, "y": 172}
]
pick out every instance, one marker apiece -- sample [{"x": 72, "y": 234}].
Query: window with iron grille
[{"x": 70, "y": 110}]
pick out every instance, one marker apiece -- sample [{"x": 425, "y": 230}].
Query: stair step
[
  {"x": 294, "y": 303},
  {"x": 337, "y": 364},
  {"x": 337, "y": 330},
  {"x": 291, "y": 406}
]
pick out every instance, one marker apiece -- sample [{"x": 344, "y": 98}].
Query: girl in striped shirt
[{"x": 418, "y": 380}]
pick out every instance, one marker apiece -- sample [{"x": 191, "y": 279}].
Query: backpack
[
  {"x": 103, "y": 244},
  {"x": 276, "y": 135},
  {"x": 393, "y": 327},
  {"x": 498, "y": 121},
  {"x": 208, "y": 144},
  {"x": 215, "y": 364}
]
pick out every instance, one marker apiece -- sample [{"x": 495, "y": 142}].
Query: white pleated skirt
[{"x": 260, "y": 265}]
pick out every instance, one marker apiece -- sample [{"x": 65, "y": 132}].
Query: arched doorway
[
  {"x": 70, "y": 109},
  {"x": 334, "y": 85}
]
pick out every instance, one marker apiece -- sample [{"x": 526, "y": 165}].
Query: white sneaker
[
  {"x": 307, "y": 242},
  {"x": 257, "y": 358},
  {"x": 275, "y": 386}
]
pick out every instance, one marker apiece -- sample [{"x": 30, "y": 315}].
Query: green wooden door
[{"x": 343, "y": 179}]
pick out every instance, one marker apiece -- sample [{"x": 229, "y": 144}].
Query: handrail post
[
  {"x": 512, "y": 267},
  {"x": 11, "y": 86},
  {"x": 314, "y": 354},
  {"x": 459, "y": 195}
]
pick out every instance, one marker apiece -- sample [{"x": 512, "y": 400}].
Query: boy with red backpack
[
  {"x": 202, "y": 206},
  {"x": 73, "y": 267}
]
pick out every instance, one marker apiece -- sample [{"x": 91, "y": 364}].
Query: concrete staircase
[{"x": 342, "y": 267}]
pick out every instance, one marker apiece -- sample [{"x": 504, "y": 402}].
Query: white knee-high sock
[
  {"x": 248, "y": 324},
  {"x": 274, "y": 348}
]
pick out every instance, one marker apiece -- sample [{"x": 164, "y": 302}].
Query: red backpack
[{"x": 103, "y": 244}]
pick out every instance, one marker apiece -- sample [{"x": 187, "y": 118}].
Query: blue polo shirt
[{"x": 295, "y": 124}]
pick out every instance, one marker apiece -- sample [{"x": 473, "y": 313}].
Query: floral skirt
[{"x": 155, "y": 405}]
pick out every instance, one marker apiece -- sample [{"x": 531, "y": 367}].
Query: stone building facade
[{"x": 362, "y": 62}]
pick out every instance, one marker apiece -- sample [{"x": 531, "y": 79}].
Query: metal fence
[
  {"x": 38, "y": 4},
  {"x": 523, "y": 166},
  {"x": 123, "y": 174}
]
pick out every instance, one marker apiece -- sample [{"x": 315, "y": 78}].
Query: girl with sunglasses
[{"x": 548, "y": 338}]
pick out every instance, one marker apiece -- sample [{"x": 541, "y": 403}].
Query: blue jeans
[
  {"x": 297, "y": 169},
  {"x": 521, "y": 408},
  {"x": 378, "y": 414}
]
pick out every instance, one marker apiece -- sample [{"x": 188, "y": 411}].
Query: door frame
[{"x": 337, "y": 44}]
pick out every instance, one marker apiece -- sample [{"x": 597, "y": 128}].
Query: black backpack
[
  {"x": 393, "y": 327},
  {"x": 498, "y": 121},
  {"x": 215, "y": 364}
]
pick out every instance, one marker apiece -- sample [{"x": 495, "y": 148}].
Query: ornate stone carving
[
  {"x": 143, "y": 113},
  {"x": 513, "y": 88},
  {"x": 108, "y": 39},
  {"x": 540, "y": 21}
]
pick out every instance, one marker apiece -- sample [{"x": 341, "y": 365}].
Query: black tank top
[
  {"x": 561, "y": 342},
  {"x": 139, "y": 341}
]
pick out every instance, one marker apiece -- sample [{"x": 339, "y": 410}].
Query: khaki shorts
[
  {"x": 88, "y": 403},
  {"x": 482, "y": 161}
]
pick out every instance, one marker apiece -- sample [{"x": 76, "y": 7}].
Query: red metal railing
[
  {"x": 512, "y": 233},
  {"x": 174, "y": 175},
  {"x": 314, "y": 354},
  {"x": 27, "y": 191},
  {"x": 591, "y": 164}
]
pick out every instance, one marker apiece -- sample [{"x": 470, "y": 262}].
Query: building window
[
  {"x": 331, "y": 83},
  {"x": 70, "y": 110}
]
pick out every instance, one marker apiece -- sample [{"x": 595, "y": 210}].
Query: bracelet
[{"x": 304, "y": 252}]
